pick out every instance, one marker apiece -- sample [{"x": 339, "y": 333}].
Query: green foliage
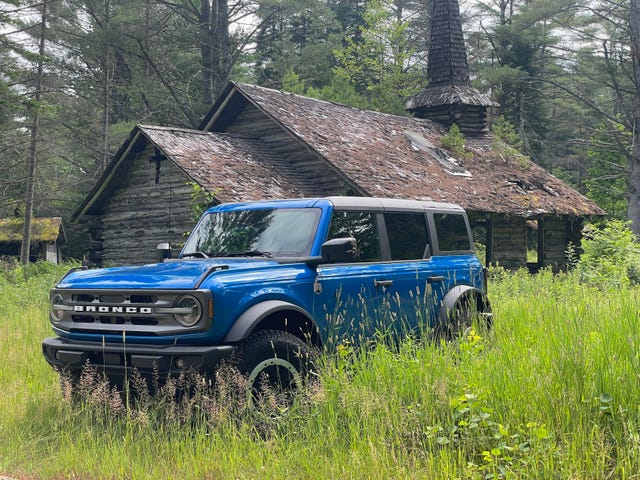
[
  {"x": 341, "y": 91},
  {"x": 507, "y": 143},
  {"x": 377, "y": 61},
  {"x": 291, "y": 83},
  {"x": 454, "y": 140},
  {"x": 521, "y": 44},
  {"x": 295, "y": 36},
  {"x": 606, "y": 181},
  {"x": 611, "y": 255},
  {"x": 201, "y": 200}
]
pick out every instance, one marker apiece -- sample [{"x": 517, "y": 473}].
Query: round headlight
[
  {"x": 57, "y": 312},
  {"x": 187, "y": 311}
]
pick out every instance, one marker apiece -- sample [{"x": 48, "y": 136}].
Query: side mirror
[
  {"x": 339, "y": 250},
  {"x": 163, "y": 251}
]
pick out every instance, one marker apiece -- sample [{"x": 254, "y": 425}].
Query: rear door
[
  {"x": 452, "y": 254},
  {"x": 383, "y": 292},
  {"x": 409, "y": 250}
]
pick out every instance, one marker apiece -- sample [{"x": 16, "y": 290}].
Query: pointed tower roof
[
  {"x": 447, "y": 54},
  {"x": 449, "y": 97}
]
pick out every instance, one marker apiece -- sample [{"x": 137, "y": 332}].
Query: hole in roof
[{"x": 452, "y": 165}]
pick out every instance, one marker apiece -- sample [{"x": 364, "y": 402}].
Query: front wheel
[{"x": 276, "y": 365}]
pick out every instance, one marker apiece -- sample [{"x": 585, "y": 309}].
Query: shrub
[{"x": 611, "y": 255}]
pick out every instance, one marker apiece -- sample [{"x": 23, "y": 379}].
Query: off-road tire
[
  {"x": 465, "y": 314},
  {"x": 277, "y": 366}
]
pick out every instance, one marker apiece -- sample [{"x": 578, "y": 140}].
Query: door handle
[
  {"x": 382, "y": 283},
  {"x": 435, "y": 279}
]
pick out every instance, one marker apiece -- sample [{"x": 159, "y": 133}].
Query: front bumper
[{"x": 118, "y": 361}]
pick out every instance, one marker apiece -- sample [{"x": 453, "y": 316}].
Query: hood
[{"x": 168, "y": 275}]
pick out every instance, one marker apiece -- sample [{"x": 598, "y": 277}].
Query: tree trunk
[
  {"x": 107, "y": 62},
  {"x": 634, "y": 157},
  {"x": 215, "y": 48},
  {"x": 206, "y": 49},
  {"x": 25, "y": 249}
]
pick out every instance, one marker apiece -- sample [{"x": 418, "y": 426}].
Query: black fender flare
[
  {"x": 457, "y": 293},
  {"x": 250, "y": 318}
]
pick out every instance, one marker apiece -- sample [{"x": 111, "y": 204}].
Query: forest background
[{"x": 77, "y": 75}]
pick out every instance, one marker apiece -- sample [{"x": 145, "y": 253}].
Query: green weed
[{"x": 551, "y": 392}]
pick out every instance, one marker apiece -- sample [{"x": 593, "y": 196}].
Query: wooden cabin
[
  {"x": 262, "y": 143},
  {"x": 45, "y": 235},
  {"x": 259, "y": 143}
]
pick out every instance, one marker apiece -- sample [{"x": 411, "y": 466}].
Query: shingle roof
[
  {"x": 225, "y": 165},
  {"x": 447, "y": 55},
  {"x": 377, "y": 153}
]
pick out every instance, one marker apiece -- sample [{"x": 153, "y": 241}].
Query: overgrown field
[{"x": 553, "y": 392}]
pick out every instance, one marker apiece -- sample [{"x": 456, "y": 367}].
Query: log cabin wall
[
  {"x": 142, "y": 213},
  {"x": 291, "y": 158},
  {"x": 507, "y": 242},
  {"x": 557, "y": 233}
]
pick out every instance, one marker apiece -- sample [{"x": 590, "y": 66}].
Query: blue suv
[{"x": 264, "y": 284}]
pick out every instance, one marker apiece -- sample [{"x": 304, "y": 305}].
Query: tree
[
  {"x": 13, "y": 138},
  {"x": 603, "y": 77},
  {"x": 295, "y": 37},
  {"x": 634, "y": 119},
  {"x": 524, "y": 47},
  {"x": 35, "y": 130},
  {"x": 379, "y": 60}
]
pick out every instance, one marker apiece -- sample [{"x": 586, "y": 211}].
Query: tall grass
[{"x": 552, "y": 392}]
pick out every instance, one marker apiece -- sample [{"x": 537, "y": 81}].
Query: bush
[{"x": 611, "y": 255}]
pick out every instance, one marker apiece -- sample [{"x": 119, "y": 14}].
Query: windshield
[{"x": 270, "y": 233}]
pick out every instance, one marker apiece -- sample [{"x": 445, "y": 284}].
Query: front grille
[{"x": 116, "y": 312}]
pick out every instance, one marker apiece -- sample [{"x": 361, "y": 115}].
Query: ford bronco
[{"x": 264, "y": 284}]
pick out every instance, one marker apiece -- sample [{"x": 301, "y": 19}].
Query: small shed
[{"x": 45, "y": 234}]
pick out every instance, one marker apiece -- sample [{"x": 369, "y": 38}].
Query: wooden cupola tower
[{"x": 449, "y": 97}]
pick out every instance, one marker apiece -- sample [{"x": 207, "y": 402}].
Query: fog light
[{"x": 179, "y": 363}]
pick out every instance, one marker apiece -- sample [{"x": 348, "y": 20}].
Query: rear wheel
[
  {"x": 277, "y": 365},
  {"x": 468, "y": 312}
]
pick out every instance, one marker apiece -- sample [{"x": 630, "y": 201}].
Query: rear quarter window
[{"x": 452, "y": 233}]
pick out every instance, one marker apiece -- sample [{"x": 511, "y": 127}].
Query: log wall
[
  {"x": 313, "y": 175},
  {"x": 558, "y": 232},
  {"x": 508, "y": 242},
  {"x": 142, "y": 213}
]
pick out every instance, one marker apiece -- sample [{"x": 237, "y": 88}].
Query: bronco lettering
[{"x": 107, "y": 309}]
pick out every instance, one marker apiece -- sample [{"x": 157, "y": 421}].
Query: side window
[
  {"x": 408, "y": 237},
  {"x": 363, "y": 227},
  {"x": 452, "y": 232}
]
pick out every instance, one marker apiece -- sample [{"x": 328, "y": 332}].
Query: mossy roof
[{"x": 42, "y": 229}]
